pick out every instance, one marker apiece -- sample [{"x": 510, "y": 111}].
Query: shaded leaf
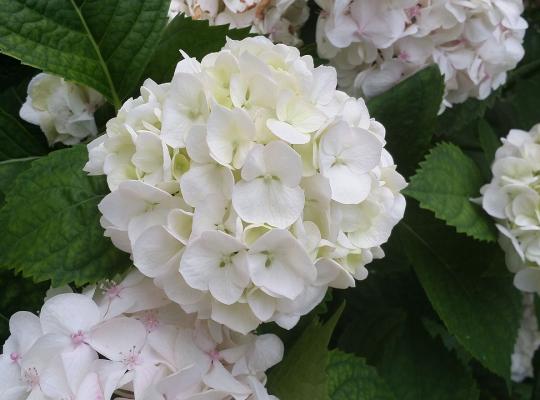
[
  {"x": 409, "y": 113},
  {"x": 18, "y": 294},
  {"x": 468, "y": 285},
  {"x": 196, "y": 37}
]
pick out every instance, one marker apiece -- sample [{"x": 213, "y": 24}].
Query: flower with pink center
[
  {"x": 214, "y": 355},
  {"x": 113, "y": 290},
  {"x": 15, "y": 357},
  {"x": 78, "y": 338},
  {"x": 404, "y": 56},
  {"x": 132, "y": 359},
  {"x": 150, "y": 320},
  {"x": 31, "y": 377}
]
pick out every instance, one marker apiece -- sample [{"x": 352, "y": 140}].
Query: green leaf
[
  {"x": 18, "y": 294},
  {"x": 417, "y": 366},
  {"x": 16, "y": 141},
  {"x": 458, "y": 123},
  {"x": 104, "y": 44},
  {"x": 196, "y": 37},
  {"x": 445, "y": 184},
  {"x": 468, "y": 285},
  {"x": 302, "y": 373},
  {"x": 9, "y": 171},
  {"x": 50, "y": 223},
  {"x": 409, "y": 113},
  {"x": 349, "y": 377},
  {"x": 488, "y": 141},
  {"x": 383, "y": 324}
]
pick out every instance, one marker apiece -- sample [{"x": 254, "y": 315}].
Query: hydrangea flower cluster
[
  {"x": 129, "y": 340},
  {"x": 64, "y": 111},
  {"x": 248, "y": 185},
  {"x": 513, "y": 199},
  {"x": 280, "y": 19},
  {"x": 528, "y": 340},
  {"x": 374, "y": 44}
]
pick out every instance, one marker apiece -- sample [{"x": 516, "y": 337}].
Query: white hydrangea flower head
[
  {"x": 63, "y": 110},
  {"x": 374, "y": 44},
  {"x": 527, "y": 342},
  {"x": 280, "y": 19},
  {"x": 255, "y": 187},
  {"x": 513, "y": 199},
  {"x": 128, "y": 340}
]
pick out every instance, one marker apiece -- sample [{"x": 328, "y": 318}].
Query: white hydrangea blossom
[
  {"x": 130, "y": 341},
  {"x": 374, "y": 44},
  {"x": 248, "y": 185},
  {"x": 64, "y": 111},
  {"x": 280, "y": 19},
  {"x": 513, "y": 199},
  {"x": 527, "y": 342}
]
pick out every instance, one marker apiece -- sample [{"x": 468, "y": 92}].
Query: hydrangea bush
[{"x": 262, "y": 200}]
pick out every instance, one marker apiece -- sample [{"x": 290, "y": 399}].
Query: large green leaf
[
  {"x": 409, "y": 113},
  {"x": 468, "y": 285},
  {"x": 349, "y": 377},
  {"x": 9, "y": 171},
  {"x": 302, "y": 373},
  {"x": 50, "y": 223},
  {"x": 104, "y": 44},
  {"x": 195, "y": 37},
  {"x": 445, "y": 184}
]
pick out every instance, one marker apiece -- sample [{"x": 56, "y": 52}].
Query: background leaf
[
  {"x": 196, "y": 37},
  {"x": 383, "y": 323},
  {"x": 445, "y": 184},
  {"x": 349, "y": 377},
  {"x": 409, "y": 113},
  {"x": 18, "y": 294},
  {"x": 104, "y": 44},
  {"x": 468, "y": 285},
  {"x": 51, "y": 224},
  {"x": 302, "y": 373}
]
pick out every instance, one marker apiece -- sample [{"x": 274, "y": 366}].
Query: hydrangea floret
[
  {"x": 375, "y": 44},
  {"x": 528, "y": 340},
  {"x": 248, "y": 185},
  {"x": 513, "y": 198},
  {"x": 63, "y": 110},
  {"x": 130, "y": 341}
]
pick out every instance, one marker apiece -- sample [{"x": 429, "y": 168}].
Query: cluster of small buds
[
  {"x": 248, "y": 185},
  {"x": 374, "y": 44},
  {"x": 281, "y": 20},
  {"x": 130, "y": 341}
]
